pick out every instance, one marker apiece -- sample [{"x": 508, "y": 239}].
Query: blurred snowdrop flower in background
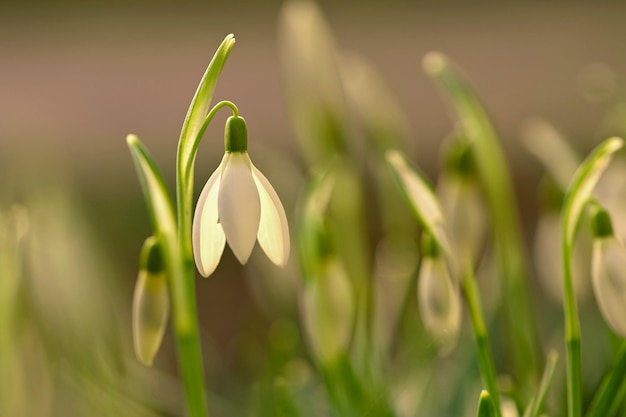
[{"x": 608, "y": 272}]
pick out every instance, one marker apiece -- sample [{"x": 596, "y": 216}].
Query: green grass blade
[
  {"x": 154, "y": 188},
  {"x": 546, "y": 381},
  {"x": 190, "y": 138},
  {"x": 609, "y": 392},
  {"x": 420, "y": 196},
  {"x": 486, "y": 407}
]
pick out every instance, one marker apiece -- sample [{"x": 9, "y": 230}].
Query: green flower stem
[
  {"x": 485, "y": 358},
  {"x": 196, "y": 142},
  {"x": 576, "y": 199},
  {"x": 497, "y": 185},
  {"x": 572, "y": 338},
  {"x": 609, "y": 392}
]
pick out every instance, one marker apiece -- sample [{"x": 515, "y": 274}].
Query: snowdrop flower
[
  {"x": 609, "y": 273},
  {"x": 238, "y": 205}
]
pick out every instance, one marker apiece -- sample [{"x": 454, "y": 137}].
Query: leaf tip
[
  {"x": 434, "y": 62},
  {"x": 615, "y": 143},
  {"x": 132, "y": 140}
]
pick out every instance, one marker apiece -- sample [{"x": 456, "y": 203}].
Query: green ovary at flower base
[
  {"x": 609, "y": 273},
  {"x": 238, "y": 205}
]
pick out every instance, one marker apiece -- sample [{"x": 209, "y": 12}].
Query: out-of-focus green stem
[
  {"x": 572, "y": 337},
  {"x": 498, "y": 189},
  {"x": 485, "y": 358},
  {"x": 608, "y": 393}
]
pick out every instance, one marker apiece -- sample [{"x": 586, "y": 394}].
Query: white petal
[
  {"x": 273, "y": 232},
  {"x": 609, "y": 282},
  {"x": 207, "y": 234},
  {"x": 239, "y": 206}
]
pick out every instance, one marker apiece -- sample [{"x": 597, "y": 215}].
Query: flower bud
[{"x": 150, "y": 303}]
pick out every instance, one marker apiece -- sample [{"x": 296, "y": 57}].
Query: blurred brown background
[{"x": 76, "y": 78}]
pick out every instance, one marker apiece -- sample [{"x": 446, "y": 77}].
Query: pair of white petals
[{"x": 238, "y": 205}]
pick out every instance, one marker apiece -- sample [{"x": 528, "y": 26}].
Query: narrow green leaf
[
  {"x": 190, "y": 138},
  {"x": 611, "y": 390},
  {"x": 420, "y": 196},
  {"x": 201, "y": 103},
  {"x": 158, "y": 199},
  {"x": 546, "y": 381},
  {"x": 485, "y": 405}
]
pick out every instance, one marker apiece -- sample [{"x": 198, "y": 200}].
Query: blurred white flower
[
  {"x": 439, "y": 301},
  {"x": 609, "y": 281},
  {"x": 238, "y": 205}
]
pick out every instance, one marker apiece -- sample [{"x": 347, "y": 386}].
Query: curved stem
[{"x": 207, "y": 120}]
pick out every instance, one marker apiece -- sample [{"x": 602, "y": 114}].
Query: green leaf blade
[
  {"x": 486, "y": 408},
  {"x": 420, "y": 196},
  {"x": 155, "y": 191},
  {"x": 201, "y": 103}
]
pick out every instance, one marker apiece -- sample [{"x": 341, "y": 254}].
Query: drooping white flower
[{"x": 238, "y": 205}]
